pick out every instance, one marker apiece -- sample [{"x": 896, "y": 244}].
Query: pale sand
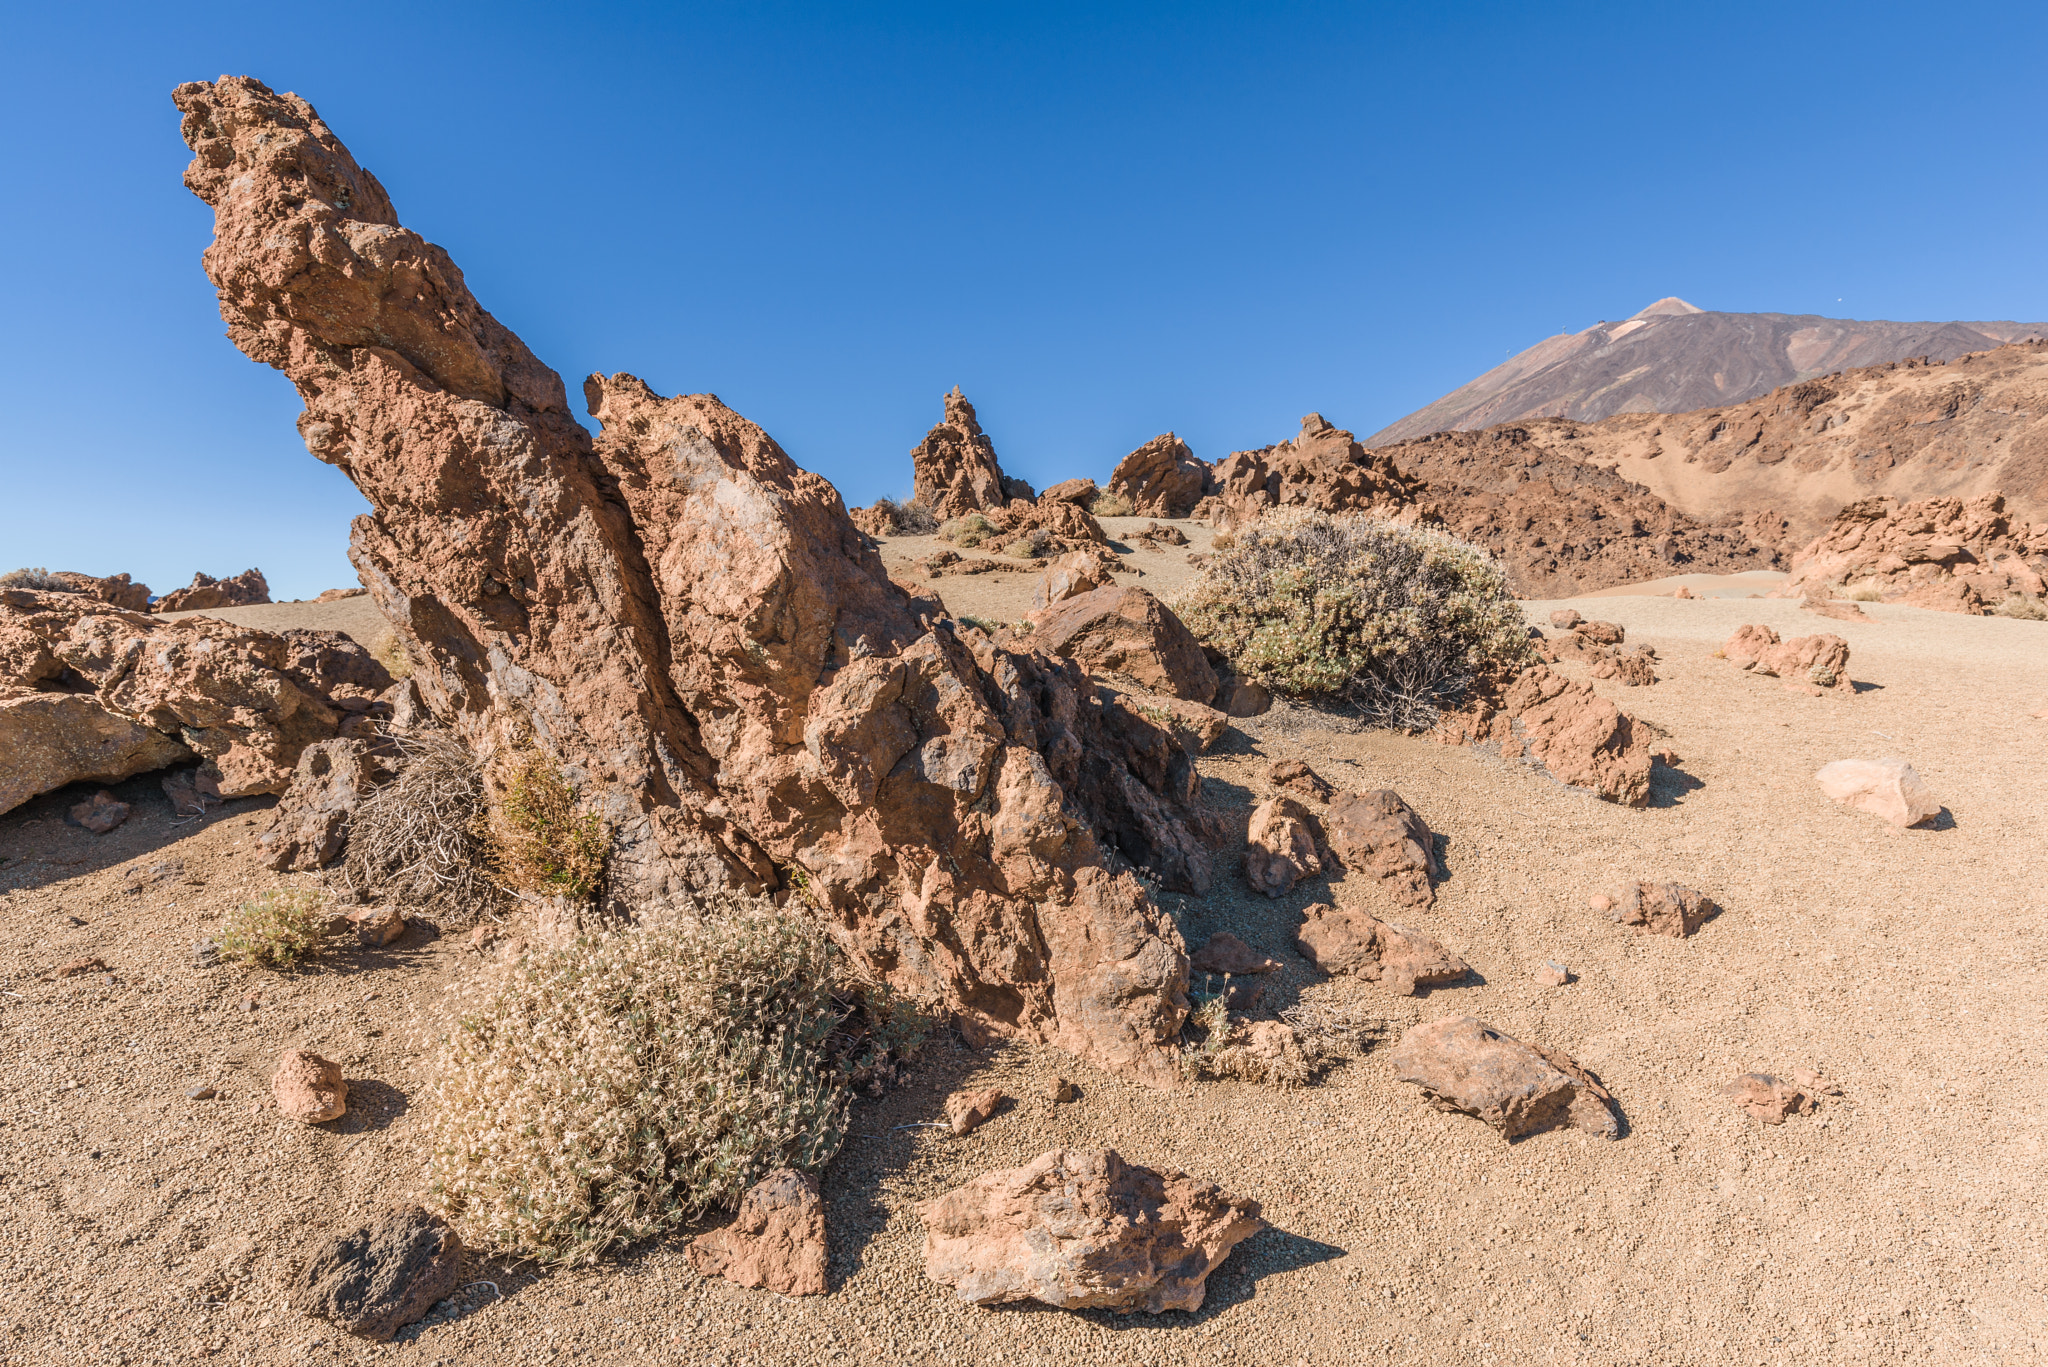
[
  {"x": 1748, "y": 584},
  {"x": 1903, "y": 1223},
  {"x": 356, "y": 617}
]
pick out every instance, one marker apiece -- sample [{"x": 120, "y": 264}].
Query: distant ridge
[{"x": 1673, "y": 357}]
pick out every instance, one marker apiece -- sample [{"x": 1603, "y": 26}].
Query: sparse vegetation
[
  {"x": 1031, "y": 545},
  {"x": 610, "y": 1090},
  {"x": 37, "y": 578},
  {"x": 1865, "y": 593},
  {"x": 416, "y": 838},
  {"x": 2025, "y": 609},
  {"x": 390, "y": 652},
  {"x": 540, "y": 839},
  {"x": 279, "y": 929},
  {"x": 1395, "y": 620},
  {"x": 967, "y": 532},
  {"x": 907, "y": 517},
  {"x": 1107, "y": 504},
  {"x": 1821, "y": 676}
]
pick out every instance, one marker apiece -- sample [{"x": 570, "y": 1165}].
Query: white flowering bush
[
  {"x": 1396, "y": 620},
  {"x": 604, "y": 1092}
]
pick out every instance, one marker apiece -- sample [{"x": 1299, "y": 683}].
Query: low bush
[
  {"x": 2025, "y": 609},
  {"x": 279, "y": 929},
  {"x": 417, "y": 838},
  {"x": 37, "y": 578},
  {"x": 1107, "y": 504},
  {"x": 967, "y": 532},
  {"x": 1865, "y": 593},
  {"x": 610, "y": 1090},
  {"x": 906, "y": 518},
  {"x": 1034, "y": 543},
  {"x": 541, "y": 840},
  {"x": 1395, "y": 620}
]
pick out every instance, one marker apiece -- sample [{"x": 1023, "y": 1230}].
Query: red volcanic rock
[
  {"x": 1466, "y": 1065},
  {"x": 1603, "y": 633},
  {"x": 1564, "y": 619},
  {"x": 1580, "y": 737},
  {"x": 1943, "y": 553},
  {"x": 777, "y": 1241},
  {"x": 1346, "y": 940},
  {"x": 309, "y": 1088},
  {"x": 955, "y": 467},
  {"x": 1280, "y": 847},
  {"x": 1378, "y": 835},
  {"x": 1225, "y": 953},
  {"x": 207, "y": 592},
  {"x": 1079, "y": 492},
  {"x": 1768, "y": 1099},
  {"x": 1323, "y": 467},
  {"x": 1665, "y": 909},
  {"x": 1299, "y": 779},
  {"x": 1072, "y": 575},
  {"x": 117, "y": 589},
  {"x": 1822, "y": 660},
  {"x": 1839, "y": 609},
  {"x": 968, "y": 1111},
  {"x": 692, "y": 625},
  {"x": 309, "y": 822},
  {"x": 1081, "y": 1229},
  {"x": 1127, "y": 631},
  {"x": 100, "y": 813},
  {"x": 1162, "y": 478},
  {"x": 1634, "y": 668}
]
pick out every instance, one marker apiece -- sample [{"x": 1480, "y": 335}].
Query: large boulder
[
  {"x": 1820, "y": 661},
  {"x": 1949, "y": 554},
  {"x": 691, "y": 625},
  {"x": 380, "y": 1277},
  {"x": 776, "y": 1242},
  {"x": 116, "y": 589},
  {"x": 1081, "y": 1229},
  {"x": 1347, "y": 940},
  {"x": 207, "y": 592},
  {"x": 1379, "y": 836},
  {"x": 310, "y": 821},
  {"x": 92, "y": 692},
  {"x": 1466, "y": 1065},
  {"x": 1073, "y": 574},
  {"x": 1162, "y": 478},
  {"x": 1581, "y": 738},
  {"x": 1127, "y": 631},
  {"x": 1887, "y": 788},
  {"x": 1280, "y": 847},
  {"x": 954, "y": 468}
]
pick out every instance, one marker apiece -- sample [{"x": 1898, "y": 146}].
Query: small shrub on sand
[
  {"x": 967, "y": 532},
  {"x": 906, "y": 518},
  {"x": 1395, "y": 620},
  {"x": 2025, "y": 609},
  {"x": 1034, "y": 543},
  {"x": 541, "y": 841},
  {"x": 37, "y": 578},
  {"x": 1110, "y": 505},
  {"x": 1865, "y": 593},
  {"x": 415, "y": 839},
  {"x": 390, "y": 652},
  {"x": 277, "y": 930},
  {"x": 607, "y": 1091}
]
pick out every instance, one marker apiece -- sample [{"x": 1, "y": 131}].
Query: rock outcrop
[
  {"x": 1127, "y": 631},
  {"x": 117, "y": 589},
  {"x": 1347, "y": 940},
  {"x": 1072, "y": 575},
  {"x": 207, "y": 592},
  {"x": 1377, "y": 835},
  {"x": 1079, "y": 492},
  {"x": 92, "y": 692},
  {"x": 1466, "y": 1065},
  {"x": 691, "y": 625},
  {"x": 955, "y": 467},
  {"x": 1081, "y": 1229},
  {"x": 310, "y": 821},
  {"x": 380, "y": 1277},
  {"x": 1949, "y": 554},
  {"x": 777, "y": 1241},
  {"x": 1887, "y": 788},
  {"x": 1162, "y": 478},
  {"x": 1322, "y": 467}
]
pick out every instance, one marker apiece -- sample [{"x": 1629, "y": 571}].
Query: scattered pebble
[
  {"x": 203, "y": 1092},
  {"x": 1551, "y": 973}
]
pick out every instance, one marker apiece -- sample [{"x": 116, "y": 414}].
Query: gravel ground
[{"x": 1902, "y": 1223}]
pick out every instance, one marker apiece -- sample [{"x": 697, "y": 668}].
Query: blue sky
[{"x": 1103, "y": 222}]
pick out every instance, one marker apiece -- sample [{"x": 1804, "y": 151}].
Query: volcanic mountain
[{"x": 1673, "y": 358}]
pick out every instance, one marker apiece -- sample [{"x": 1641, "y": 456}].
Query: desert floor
[{"x": 1902, "y": 1222}]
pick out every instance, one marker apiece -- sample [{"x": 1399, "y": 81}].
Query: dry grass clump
[
  {"x": 906, "y": 518},
  {"x": 1034, "y": 543},
  {"x": 1395, "y": 620},
  {"x": 540, "y": 839},
  {"x": 967, "y": 532},
  {"x": 37, "y": 578},
  {"x": 1329, "y": 1028},
  {"x": 277, "y": 930},
  {"x": 414, "y": 839},
  {"x": 1110, "y": 505},
  {"x": 607, "y": 1091},
  {"x": 2025, "y": 609},
  {"x": 390, "y": 652},
  {"x": 1865, "y": 593}
]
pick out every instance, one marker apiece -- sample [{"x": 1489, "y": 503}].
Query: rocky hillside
[
  {"x": 1785, "y": 463},
  {"x": 1673, "y": 358}
]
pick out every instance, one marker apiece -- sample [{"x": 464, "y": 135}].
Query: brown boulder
[
  {"x": 968, "y": 1111},
  {"x": 1822, "y": 660},
  {"x": 1127, "y": 631},
  {"x": 1664, "y": 909},
  {"x": 100, "y": 813},
  {"x": 1377, "y": 835},
  {"x": 1635, "y": 668},
  {"x": 1564, "y": 619},
  {"x": 333, "y": 665},
  {"x": 309, "y": 823},
  {"x": 376, "y": 927},
  {"x": 1601, "y": 633},
  {"x": 207, "y": 592},
  {"x": 1889, "y": 788},
  {"x": 1466, "y": 1065},
  {"x": 693, "y": 626},
  {"x": 1225, "y": 953},
  {"x": 375, "y": 1280},
  {"x": 955, "y": 468},
  {"x": 1073, "y": 574},
  {"x": 1280, "y": 847},
  {"x": 308, "y": 1088},
  {"x": 1079, "y": 492},
  {"x": 1346, "y": 940},
  {"x": 1299, "y": 779},
  {"x": 1584, "y": 740},
  {"x": 1080, "y": 1229},
  {"x": 118, "y": 589},
  {"x": 1162, "y": 478},
  {"x": 777, "y": 1241},
  {"x": 1322, "y": 467},
  {"x": 1948, "y": 554},
  {"x": 1768, "y": 1099}
]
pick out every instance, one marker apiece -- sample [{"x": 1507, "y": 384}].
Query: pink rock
[
  {"x": 968, "y": 1111},
  {"x": 776, "y": 1242},
  {"x": 1466, "y": 1065},
  {"x": 1346, "y": 940},
  {"x": 309, "y": 1088},
  {"x": 1889, "y": 788},
  {"x": 1280, "y": 847},
  {"x": 1551, "y": 973},
  {"x": 1564, "y": 619},
  {"x": 1379, "y": 836}
]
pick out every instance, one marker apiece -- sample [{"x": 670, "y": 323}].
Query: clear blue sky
[{"x": 1103, "y": 222}]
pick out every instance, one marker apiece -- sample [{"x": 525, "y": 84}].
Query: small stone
[
  {"x": 310, "y": 1089},
  {"x": 1061, "y": 1090},
  {"x": 78, "y": 966},
  {"x": 1605, "y": 633},
  {"x": 1564, "y": 619},
  {"x": 1813, "y": 1084},
  {"x": 1551, "y": 973},
  {"x": 74, "y": 920},
  {"x": 1665, "y": 909},
  {"x": 100, "y": 813},
  {"x": 1887, "y": 788},
  {"x": 1768, "y": 1099},
  {"x": 375, "y": 1280},
  {"x": 377, "y": 926},
  {"x": 967, "y": 1111},
  {"x": 777, "y": 1241},
  {"x": 203, "y": 1092},
  {"x": 248, "y": 1005},
  {"x": 1300, "y": 780},
  {"x": 1600, "y": 901}
]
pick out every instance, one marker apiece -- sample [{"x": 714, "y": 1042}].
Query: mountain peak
[{"x": 1669, "y": 306}]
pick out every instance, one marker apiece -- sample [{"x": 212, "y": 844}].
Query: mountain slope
[{"x": 1673, "y": 358}]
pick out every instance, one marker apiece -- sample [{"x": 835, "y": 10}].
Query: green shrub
[
  {"x": 277, "y": 930},
  {"x": 540, "y": 840},
  {"x": 607, "y": 1091},
  {"x": 2026, "y": 609},
  {"x": 1110, "y": 505},
  {"x": 1393, "y": 619},
  {"x": 967, "y": 532},
  {"x": 37, "y": 578}
]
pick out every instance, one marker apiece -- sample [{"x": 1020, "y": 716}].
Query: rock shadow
[
  {"x": 39, "y": 846},
  {"x": 1943, "y": 820},
  {"x": 372, "y": 1106},
  {"x": 1865, "y": 686},
  {"x": 1670, "y": 784}
]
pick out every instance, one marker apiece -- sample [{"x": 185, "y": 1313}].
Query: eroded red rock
[
  {"x": 1127, "y": 631},
  {"x": 207, "y": 592},
  {"x": 1466, "y": 1065},
  {"x": 1379, "y": 836},
  {"x": 1225, "y": 953},
  {"x": 309, "y": 1088},
  {"x": 1603, "y": 633},
  {"x": 1768, "y": 1099},
  {"x": 1162, "y": 478},
  {"x": 1665, "y": 909},
  {"x": 969, "y": 1110},
  {"x": 310, "y": 822},
  {"x": 1821, "y": 661},
  {"x": 1347, "y": 940},
  {"x": 116, "y": 589},
  {"x": 1079, "y": 492},
  {"x": 955, "y": 466},
  {"x": 777, "y": 1241},
  {"x": 1280, "y": 847},
  {"x": 100, "y": 813},
  {"x": 1953, "y": 555},
  {"x": 1322, "y": 467},
  {"x": 1299, "y": 779}
]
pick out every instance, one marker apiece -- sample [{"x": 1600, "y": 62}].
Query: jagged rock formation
[
  {"x": 1672, "y": 357},
  {"x": 955, "y": 466},
  {"x": 694, "y": 628},
  {"x": 207, "y": 592},
  {"x": 1162, "y": 478},
  {"x": 90, "y": 692},
  {"x": 1938, "y": 553},
  {"x": 117, "y": 589},
  {"x": 1322, "y": 467}
]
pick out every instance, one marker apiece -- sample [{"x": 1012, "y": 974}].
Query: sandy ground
[
  {"x": 1748, "y": 584},
  {"x": 357, "y": 617},
  {"x": 1902, "y": 1223}
]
